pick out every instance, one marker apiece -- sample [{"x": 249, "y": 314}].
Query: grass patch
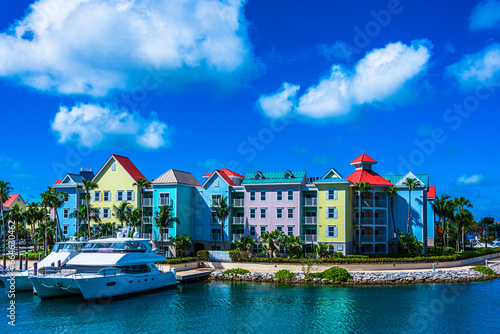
[{"x": 483, "y": 270}]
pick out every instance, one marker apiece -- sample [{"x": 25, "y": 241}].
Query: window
[
  {"x": 330, "y": 194},
  {"x": 262, "y": 195},
  {"x": 119, "y": 195},
  {"x": 253, "y": 212},
  {"x": 215, "y": 234},
  {"x": 65, "y": 229},
  {"x": 252, "y": 195},
  {"x": 331, "y": 231},
  {"x": 105, "y": 213},
  {"x": 263, "y": 228},
  {"x": 106, "y": 196},
  {"x": 216, "y": 183},
  {"x": 279, "y": 228},
  {"x": 164, "y": 199},
  {"x": 253, "y": 233},
  {"x": 290, "y": 195},
  {"x": 290, "y": 230},
  {"x": 279, "y": 213},
  {"x": 66, "y": 213},
  {"x": 263, "y": 213},
  {"x": 97, "y": 196},
  {"x": 331, "y": 213},
  {"x": 214, "y": 218},
  {"x": 198, "y": 214},
  {"x": 216, "y": 199},
  {"x": 66, "y": 197},
  {"x": 279, "y": 195},
  {"x": 113, "y": 166},
  {"x": 290, "y": 213},
  {"x": 130, "y": 195}
]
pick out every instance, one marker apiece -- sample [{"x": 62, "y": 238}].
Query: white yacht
[
  {"x": 62, "y": 251},
  {"x": 106, "y": 268}
]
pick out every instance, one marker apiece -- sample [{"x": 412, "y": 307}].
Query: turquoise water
[{"x": 241, "y": 307}]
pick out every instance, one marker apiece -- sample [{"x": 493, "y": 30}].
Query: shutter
[
  {"x": 335, "y": 213},
  {"x": 326, "y": 193},
  {"x": 101, "y": 213},
  {"x": 326, "y": 231},
  {"x": 116, "y": 196},
  {"x": 335, "y": 231},
  {"x": 335, "y": 195},
  {"x": 133, "y": 195},
  {"x": 326, "y": 214}
]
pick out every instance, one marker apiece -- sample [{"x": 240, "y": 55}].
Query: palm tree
[
  {"x": 134, "y": 217},
  {"x": 391, "y": 192},
  {"x": 222, "y": 211},
  {"x": 81, "y": 215},
  {"x": 16, "y": 215},
  {"x": 45, "y": 201},
  {"x": 272, "y": 239},
  {"x": 164, "y": 219},
  {"x": 461, "y": 204},
  {"x": 361, "y": 187},
  {"x": 56, "y": 201},
  {"x": 244, "y": 244},
  {"x": 182, "y": 243},
  {"x": 291, "y": 243},
  {"x": 322, "y": 248},
  {"x": 486, "y": 223},
  {"x": 88, "y": 186},
  {"x": 5, "y": 190},
  {"x": 440, "y": 209},
  {"x": 32, "y": 215},
  {"x": 122, "y": 211},
  {"x": 142, "y": 184},
  {"x": 411, "y": 183}
]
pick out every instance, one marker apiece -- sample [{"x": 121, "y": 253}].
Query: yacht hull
[
  {"x": 51, "y": 287},
  {"x": 22, "y": 283}
]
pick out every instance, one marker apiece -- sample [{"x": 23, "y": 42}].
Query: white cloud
[
  {"x": 91, "y": 125},
  {"x": 280, "y": 103},
  {"x": 474, "y": 179},
  {"x": 477, "y": 67},
  {"x": 486, "y": 15},
  {"x": 93, "y": 46},
  {"x": 380, "y": 75}
]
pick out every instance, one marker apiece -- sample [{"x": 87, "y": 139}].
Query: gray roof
[{"x": 174, "y": 176}]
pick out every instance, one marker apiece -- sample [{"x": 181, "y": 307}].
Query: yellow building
[{"x": 335, "y": 212}]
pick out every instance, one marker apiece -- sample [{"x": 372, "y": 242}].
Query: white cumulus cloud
[
  {"x": 471, "y": 180},
  {"x": 90, "y": 125},
  {"x": 486, "y": 15},
  {"x": 280, "y": 103},
  {"x": 93, "y": 46},
  {"x": 380, "y": 75},
  {"x": 475, "y": 68}
]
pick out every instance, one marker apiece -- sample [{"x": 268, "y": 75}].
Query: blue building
[{"x": 73, "y": 198}]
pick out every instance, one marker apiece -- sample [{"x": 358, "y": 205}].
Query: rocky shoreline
[{"x": 441, "y": 276}]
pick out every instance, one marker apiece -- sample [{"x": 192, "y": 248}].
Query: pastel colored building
[
  {"x": 207, "y": 233},
  {"x": 13, "y": 200},
  {"x": 178, "y": 190},
  {"x": 334, "y": 212},
  {"x": 273, "y": 202},
  {"x": 371, "y": 229},
  {"x": 115, "y": 180},
  {"x": 73, "y": 199},
  {"x": 431, "y": 216}
]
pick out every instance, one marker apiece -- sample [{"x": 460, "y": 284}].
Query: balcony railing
[
  {"x": 380, "y": 203},
  {"x": 148, "y": 219},
  {"x": 371, "y": 238},
  {"x": 310, "y": 201},
  {"x": 310, "y": 220},
  {"x": 164, "y": 236},
  {"x": 381, "y": 220},
  {"x": 238, "y": 203},
  {"x": 163, "y": 201},
  {"x": 364, "y": 221},
  {"x": 310, "y": 238},
  {"x": 147, "y": 202},
  {"x": 380, "y": 238},
  {"x": 238, "y": 220},
  {"x": 215, "y": 237},
  {"x": 237, "y": 237}
]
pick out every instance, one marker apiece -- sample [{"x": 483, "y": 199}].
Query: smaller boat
[
  {"x": 62, "y": 252},
  {"x": 106, "y": 268}
]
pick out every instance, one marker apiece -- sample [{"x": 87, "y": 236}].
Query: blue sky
[{"x": 255, "y": 85}]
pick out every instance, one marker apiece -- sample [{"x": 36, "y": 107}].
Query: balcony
[
  {"x": 237, "y": 237},
  {"x": 163, "y": 201},
  {"x": 364, "y": 221},
  {"x": 215, "y": 237},
  {"x": 380, "y": 238},
  {"x": 310, "y": 238},
  {"x": 371, "y": 238},
  {"x": 147, "y": 202},
  {"x": 238, "y": 203},
  {"x": 148, "y": 219},
  {"x": 238, "y": 220},
  {"x": 380, "y": 220},
  {"x": 310, "y": 220},
  {"x": 380, "y": 203},
  {"x": 310, "y": 201}
]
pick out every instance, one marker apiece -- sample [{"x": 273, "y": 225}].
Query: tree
[
  {"x": 45, "y": 232},
  {"x": 81, "y": 215},
  {"x": 222, "y": 211},
  {"x": 103, "y": 230},
  {"x": 486, "y": 224},
  {"x": 122, "y": 211},
  {"x": 461, "y": 203},
  {"x": 391, "y": 192},
  {"x": 411, "y": 183},
  {"x": 56, "y": 201},
  {"x": 291, "y": 243},
  {"x": 164, "y": 219},
  {"x": 16, "y": 215},
  {"x": 134, "y": 218},
  {"x": 272, "y": 239},
  {"x": 45, "y": 201},
  {"x": 33, "y": 214},
  {"x": 244, "y": 244},
  {"x": 322, "y": 249},
  {"x": 5, "y": 190},
  {"x": 142, "y": 184},
  {"x": 361, "y": 187},
  {"x": 182, "y": 243},
  {"x": 440, "y": 207},
  {"x": 88, "y": 186}
]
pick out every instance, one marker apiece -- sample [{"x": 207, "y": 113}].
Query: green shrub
[
  {"x": 238, "y": 256},
  {"x": 483, "y": 270},
  {"x": 336, "y": 274},
  {"x": 31, "y": 255},
  {"x": 202, "y": 255},
  {"x": 284, "y": 274},
  {"x": 177, "y": 260},
  {"x": 236, "y": 271}
]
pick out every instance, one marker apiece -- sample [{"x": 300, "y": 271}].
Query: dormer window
[
  {"x": 288, "y": 174},
  {"x": 259, "y": 176}
]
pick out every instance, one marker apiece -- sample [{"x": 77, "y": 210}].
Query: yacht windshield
[
  {"x": 58, "y": 248},
  {"x": 72, "y": 248},
  {"x": 114, "y": 247}
]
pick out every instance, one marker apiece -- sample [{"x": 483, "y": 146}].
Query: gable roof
[
  {"x": 173, "y": 176},
  {"x": 275, "y": 177},
  {"x": 225, "y": 171},
  {"x": 125, "y": 162},
  {"x": 398, "y": 180},
  {"x": 431, "y": 193},
  {"x": 12, "y": 198},
  {"x": 222, "y": 174},
  {"x": 365, "y": 175},
  {"x": 69, "y": 180},
  {"x": 364, "y": 158}
]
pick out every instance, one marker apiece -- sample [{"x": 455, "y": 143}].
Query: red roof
[
  {"x": 364, "y": 158},
  {"x": 10, "y": 200},
  {"x": 58, "y": 181},
  {"x": 431, "y": 193},
  {"x": 363, "y": 175},
  {"x": 129, "y": 167},
  {"x": 225, "y": 171}
]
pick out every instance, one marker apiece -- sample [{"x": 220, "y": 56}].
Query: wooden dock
[{"x": 194, "y": 274}]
